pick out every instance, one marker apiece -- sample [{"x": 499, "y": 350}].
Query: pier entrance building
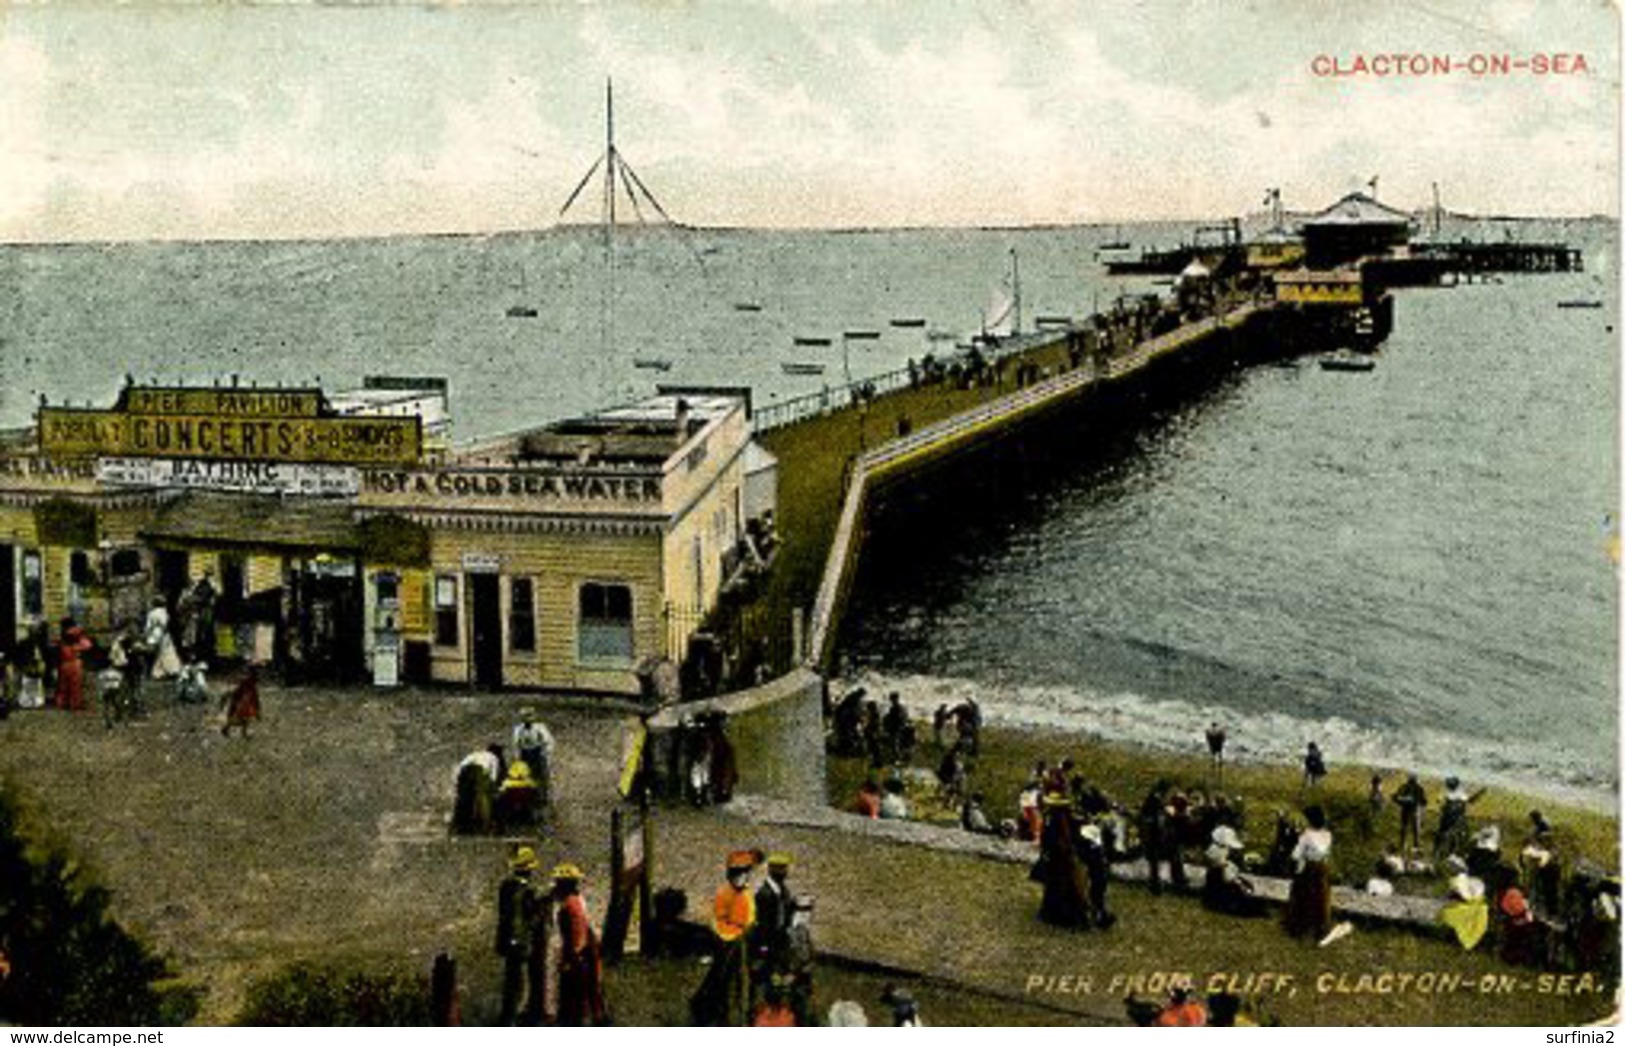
[{"x": 341, "y": 538}]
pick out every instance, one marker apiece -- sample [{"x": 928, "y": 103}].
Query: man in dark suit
[{"x": 775, "y": 907}]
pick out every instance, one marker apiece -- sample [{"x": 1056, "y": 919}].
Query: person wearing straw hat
[
  {"x": 522, "y": 938},
  {"x": 1225, "y": 889},
  {"x": 775, "y": 905},
  {"x": 724, "y": 996},
  {"x": 581, "y": 966},
  {"x": 517, "y": 799},
  {"x": 1065, "y": 901}
]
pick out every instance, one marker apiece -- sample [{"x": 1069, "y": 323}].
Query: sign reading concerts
[
  {"x": 245, "y": 477},
  {"x": 67, "y": 433}
]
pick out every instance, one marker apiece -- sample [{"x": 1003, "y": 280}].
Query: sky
[{"x": 158, "y": 121}]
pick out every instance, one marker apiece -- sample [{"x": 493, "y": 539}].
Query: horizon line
[{"x": 361, "y": 237}]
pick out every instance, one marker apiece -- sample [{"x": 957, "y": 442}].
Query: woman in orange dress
[
  {"x": 581, "y": 969},
  {"x": 70, "y": 671}
]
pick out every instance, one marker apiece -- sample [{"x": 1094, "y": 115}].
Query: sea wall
[{"x": 777, "y": 731}]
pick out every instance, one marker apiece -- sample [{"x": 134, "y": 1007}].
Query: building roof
[
  {"x": 267, "y": 521},
  {"x": 643, "y": 433},
  {"x": 759, "y": 459},
  {"x": 1357, "y": 208}
]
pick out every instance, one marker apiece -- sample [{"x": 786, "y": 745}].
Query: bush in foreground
[{"x": 329, "y": 994}]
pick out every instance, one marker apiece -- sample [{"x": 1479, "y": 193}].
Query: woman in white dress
[{"x": 166, "y": 663}]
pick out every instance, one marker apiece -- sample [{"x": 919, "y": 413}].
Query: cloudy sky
[{"x": 157, "y": 121}]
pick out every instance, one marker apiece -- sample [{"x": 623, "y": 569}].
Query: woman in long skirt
[
  {"x": 581, "y": 970},
  {"x": 70, "y": 672},
  {"x": 1309, "y": 902},
  {"x": 243, "y": 703},
  {"x": 1065, "y": 899},
  {"x": 166, "y": 663}
]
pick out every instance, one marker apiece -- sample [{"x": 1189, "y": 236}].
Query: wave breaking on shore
[{"x": 1517, "y": 764}]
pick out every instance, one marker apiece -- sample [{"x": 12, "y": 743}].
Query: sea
[{"x": 1415, "y": 567}]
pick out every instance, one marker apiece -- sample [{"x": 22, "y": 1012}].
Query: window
[
  {"x": 387, "y": 585},
  {"x": 445, "y": 610},
  {"x": 126, "y": 562},
  {"x": 521, "y": 615},
  {"x": 606, "y": 623},
  {"x": 33, "y": 584},
  {"x": 79, "y": 568},
  {"x": 233, "y": 587}
]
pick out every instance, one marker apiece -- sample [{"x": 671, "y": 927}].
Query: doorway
[
  {"x": 328, "y": 615},
  {"x": 173, "y": 570},
  {"x": 8, "y": 601},
  {"x": 485, "y": 629}
]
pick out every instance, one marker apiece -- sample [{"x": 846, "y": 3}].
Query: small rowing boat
[{"x": 1349, "y": 361}]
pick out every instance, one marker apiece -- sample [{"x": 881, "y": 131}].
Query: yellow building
[
  {"x": 1320, "y": 287},
  {"x": 562, "y": 557}
]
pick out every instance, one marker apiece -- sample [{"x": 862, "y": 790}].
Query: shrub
[
  {"x": 328, "y": 995},
  {"x": 71, "y": 962}
]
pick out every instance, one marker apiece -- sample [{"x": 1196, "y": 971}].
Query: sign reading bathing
[
  {"x": 67, "y": 432},
  {"x": 249, "y": 477}
]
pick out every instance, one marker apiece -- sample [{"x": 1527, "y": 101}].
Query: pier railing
[{"x": 835, "y": 398}]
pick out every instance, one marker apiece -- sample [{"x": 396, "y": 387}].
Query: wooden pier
[{"x": 960, "y": 431}]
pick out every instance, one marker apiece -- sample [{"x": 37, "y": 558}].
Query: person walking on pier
[{"x": 1411, "y": 799}]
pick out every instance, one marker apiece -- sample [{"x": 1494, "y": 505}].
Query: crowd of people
[
  {"x": 1525, "y": 902},
  {"x": 552, "y": 964},
  {"x": 495, "y": 794},
  {"x": 162, "y": 652},
  {"x": 762, "y": 959}
]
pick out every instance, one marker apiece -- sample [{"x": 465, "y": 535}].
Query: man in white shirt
[{"x": 534, "y": 743}]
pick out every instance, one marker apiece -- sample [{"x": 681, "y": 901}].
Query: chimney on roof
[{"x": 682, "y": 420}]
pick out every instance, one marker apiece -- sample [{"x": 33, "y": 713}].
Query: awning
[{"x": 256, "y": 520}]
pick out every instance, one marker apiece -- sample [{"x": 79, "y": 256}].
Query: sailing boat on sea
[{"x": 1002, "y": 316}]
